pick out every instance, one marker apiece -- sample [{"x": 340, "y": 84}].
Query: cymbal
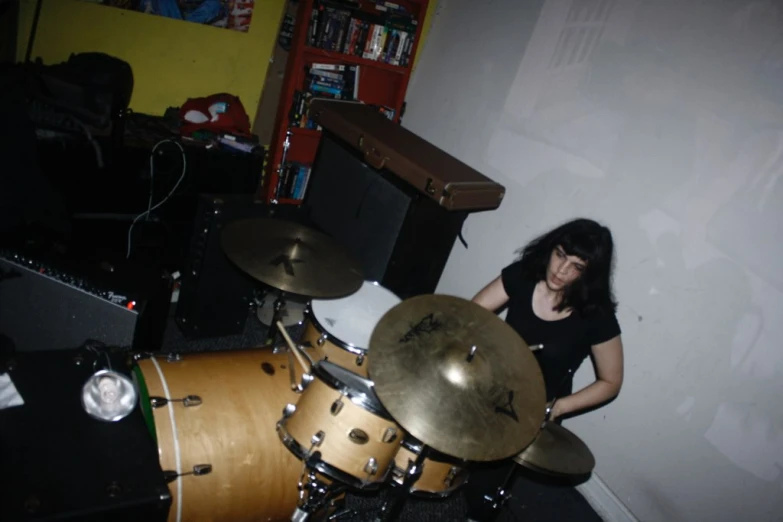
[
  {"x": 557, "y": 451},
  {"x": 481, "y": 407},
  {"x": 291, "y": 258}
]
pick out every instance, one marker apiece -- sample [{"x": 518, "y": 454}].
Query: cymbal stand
[
  {"x": 392, "y": 508},
  {"x": 272, "y": 332},
  {"x": 496, "y": 501},
  {"x": 315, "y": 497}
]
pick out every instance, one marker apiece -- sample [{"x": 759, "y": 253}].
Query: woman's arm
[
  {"x": 492, "y": 296},
  {"x": 608, "y": 358}
]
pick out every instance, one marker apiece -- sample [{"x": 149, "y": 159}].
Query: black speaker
[
  {"x": 215, "y": 295},
  {"x": 401, "y": 238},
  {"x": 49, "y": 303},
  {"x": 60, "y": 464}
]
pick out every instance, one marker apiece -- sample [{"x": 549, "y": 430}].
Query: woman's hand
[{"x": 555, "y": 409}]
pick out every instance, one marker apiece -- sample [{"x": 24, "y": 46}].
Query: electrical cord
[{"x": 150, "y": 206}]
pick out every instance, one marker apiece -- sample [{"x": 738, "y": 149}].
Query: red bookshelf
[{"x": 383, "y": 76}]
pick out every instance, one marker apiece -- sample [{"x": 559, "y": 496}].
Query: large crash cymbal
[
  {"x": 457, "y": 377},
  {"x": 557, "y": 451},
  {"x": 292, "y": 258}
]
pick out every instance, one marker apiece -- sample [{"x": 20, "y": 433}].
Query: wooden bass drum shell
[{"x": 254, "y": 476}]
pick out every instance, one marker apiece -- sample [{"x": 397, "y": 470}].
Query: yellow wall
[{"x": 172, "y": 60}]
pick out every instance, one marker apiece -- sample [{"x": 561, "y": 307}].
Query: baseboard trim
[{"x": 608, "y": 505}]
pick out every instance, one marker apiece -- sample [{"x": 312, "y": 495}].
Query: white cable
[
  {"x": 174, "y": 436},
  {"x": 150, "y": 207}
]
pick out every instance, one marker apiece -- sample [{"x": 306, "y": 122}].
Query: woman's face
[{"x": 563, "y": 269}]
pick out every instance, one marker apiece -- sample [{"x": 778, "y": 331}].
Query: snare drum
[
  {"x": 340, "y": 329},
  {"x": 217, "y": 431},
  {"x": 339, "y": 428},
  {"x": 440, "y": 474}
]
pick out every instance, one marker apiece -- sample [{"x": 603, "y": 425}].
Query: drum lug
[
  {"x": 141, "y": 355},
  {"x": 173, "y": 357},
  {"x": 190, "y": 400},
  {"x": 321, "y": 340},
  {"x": 389, "y": 435},
  {"x": 317, "y": 439},
  {"x": 199, "y": 469},
  {"x": 360, "y": 359},
  {"x": 449, "y": 480},
  {"x": 289, "y": 410},
  {"x": 337, "y": 406},
  {"x": 371, "y": 468}
]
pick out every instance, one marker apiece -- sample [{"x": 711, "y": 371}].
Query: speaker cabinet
[
  {"x": 401, "y": 238},
  {"x": 215, "y": 296},
  {"x": 59, "y": 464}
]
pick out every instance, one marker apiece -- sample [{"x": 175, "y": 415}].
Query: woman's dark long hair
[{"x": 588, "y": 240}]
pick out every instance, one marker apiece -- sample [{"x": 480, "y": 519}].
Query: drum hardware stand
[
  {"x": 315, "y": 497},
  {"x": 279, "y": 306},
  {"x": 286, "y": 146},
  {"x": 391, "y": 509},
  {"x": 496, "y": 501}
]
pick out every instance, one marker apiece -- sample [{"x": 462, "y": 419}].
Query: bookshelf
[{"x": 352, "y": 50}]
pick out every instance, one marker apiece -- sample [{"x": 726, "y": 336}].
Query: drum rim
[
  {"x": 414, "y": 445},
  {"x": 348, "y": 347},
  {"x": 463, "y": 474},
  {"x": 144, "y": 400},
  {"x": 433, "y": 495},
  {"x": 372, "y": 404},
  {"x": 329, "y": 470},
  {"x": 354, "y": 349}
]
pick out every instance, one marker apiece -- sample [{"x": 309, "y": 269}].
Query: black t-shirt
[{"x": 567, "y": 342}]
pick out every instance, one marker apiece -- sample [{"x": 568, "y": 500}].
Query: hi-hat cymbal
[
  {"x": 457, "y": 377},
  {"x": 557, "y": 451},
  {"x": 292, "y": 258}
]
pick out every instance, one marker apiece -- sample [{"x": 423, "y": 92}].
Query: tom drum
[
  {"x": 340, "y": 329},
  {"x": 339, "y": 428}
]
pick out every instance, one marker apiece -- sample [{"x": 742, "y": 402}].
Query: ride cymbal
[
  {"x": 291, "y": 258},
  {"x": 457, "y": 377},
  {"x": 557, "y": 451}
]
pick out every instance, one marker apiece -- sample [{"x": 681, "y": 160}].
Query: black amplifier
[{"x": 50, "y": 304}]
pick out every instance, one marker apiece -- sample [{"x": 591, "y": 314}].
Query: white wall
[{"x": 664, "y": 119}]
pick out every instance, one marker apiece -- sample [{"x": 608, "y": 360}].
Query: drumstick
[{"x": 293, "y": 347}]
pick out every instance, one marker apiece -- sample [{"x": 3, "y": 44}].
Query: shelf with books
[
  {"x": 348, "y": 58},
  {"x": 301, "y": 131},
  {"x": 293, "y": 180},
  {"x": 348, "y": 50}
]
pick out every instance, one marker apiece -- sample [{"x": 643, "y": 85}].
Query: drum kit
[{"x": 379, "y": 392}]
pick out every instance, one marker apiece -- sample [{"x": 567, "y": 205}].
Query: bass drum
[{"x": 213, "y": 416}]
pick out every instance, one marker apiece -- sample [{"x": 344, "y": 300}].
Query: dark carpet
[{"x": 533, "y": 497}]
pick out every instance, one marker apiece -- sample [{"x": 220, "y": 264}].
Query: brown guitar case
[{"x": 387, "y": 145}]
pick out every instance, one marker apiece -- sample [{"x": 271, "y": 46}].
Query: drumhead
[{"x": 352, "y": 319}]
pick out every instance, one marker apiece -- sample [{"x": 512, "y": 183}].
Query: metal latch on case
[{"x": 372, "y": 156}]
